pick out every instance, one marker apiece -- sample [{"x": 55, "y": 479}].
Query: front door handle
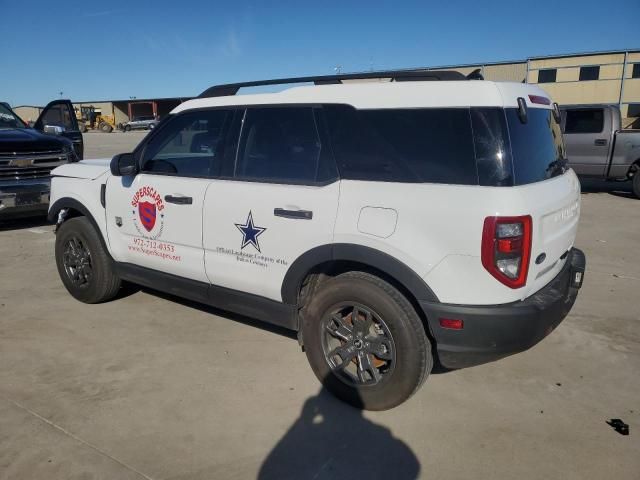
[
  {"x": 294, "y": 214},
  {"x": 178, "y": 199},
  {"x": 600, "y": 142}
]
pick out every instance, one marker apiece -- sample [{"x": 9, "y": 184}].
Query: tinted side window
[
  {"x": 188, "y": 145},
  {"x": 404, "y": 145},
  {"x": 547, "y": 76},
  {"x": 281, "y": 144},
  {"x": 584, "y": 121}
]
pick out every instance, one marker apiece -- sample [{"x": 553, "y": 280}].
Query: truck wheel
[
  {"x": 84, "y": 266},
  {"x": 365, "y": 342},
  {"x": 106, "y": 128},
  {"x": 635, "y": 183}
]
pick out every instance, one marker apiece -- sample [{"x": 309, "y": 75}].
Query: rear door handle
[
  {"x": 178, "y": 199},
  {"x": 294, "y": 214},
  {"x": 601, "y": 142}
]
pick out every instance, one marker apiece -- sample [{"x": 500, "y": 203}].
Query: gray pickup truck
[{"x": 598, "y": 147}]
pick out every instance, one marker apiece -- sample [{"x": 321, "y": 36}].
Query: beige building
[
  {"x": 608, "y": 77},
  {"x": 601, "y": 77}
]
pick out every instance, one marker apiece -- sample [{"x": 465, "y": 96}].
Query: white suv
[{"x": 394, "y": 224}]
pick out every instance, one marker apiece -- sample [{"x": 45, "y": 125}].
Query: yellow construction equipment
[{"x": 90, "y": 117}]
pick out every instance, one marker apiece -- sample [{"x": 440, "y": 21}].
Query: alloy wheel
[{"x": 358, "y": 345}]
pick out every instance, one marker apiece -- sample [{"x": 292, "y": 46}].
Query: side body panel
[
  {"x": 439, "y": 229},
  {"x": 250, "y": 248},
  {"x": 147, "y": 230},
  {"x": 626, "y": 152},
  {"x": 87, "y": 192}
]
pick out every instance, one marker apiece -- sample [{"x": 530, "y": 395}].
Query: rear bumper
[
  {"x": 494, "y": 331},
  {"x": 24, "y": 197}
]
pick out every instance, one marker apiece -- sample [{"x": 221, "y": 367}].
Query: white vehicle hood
[{"x": 89, "y": 169}]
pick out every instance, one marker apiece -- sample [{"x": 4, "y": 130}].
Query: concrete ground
[{"x": 149, "y": 386}]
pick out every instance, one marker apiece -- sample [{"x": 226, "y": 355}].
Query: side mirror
[
  {"x": 53, "y": 129},
  {"x": 123, "y": 165}
]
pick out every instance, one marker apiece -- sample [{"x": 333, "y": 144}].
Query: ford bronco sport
[{"x": 422, "y": 218}]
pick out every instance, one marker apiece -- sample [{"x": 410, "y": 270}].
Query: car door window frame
[
  {"x": 140, "y": 151},
  {"x": 228, "y": 167}
]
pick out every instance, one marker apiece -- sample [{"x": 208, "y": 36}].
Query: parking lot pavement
[
  {"x": 106, "y": 145},
  {"x": 148, "y": 386}
]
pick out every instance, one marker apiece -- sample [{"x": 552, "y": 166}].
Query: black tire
[
  {"x": 89, "y": 275},
  {"x": 106, "y": 128},
  {"x": 635, "y": 183},
  {"x": 401, "y": 329},
  {"x": 127, "y": 128}
]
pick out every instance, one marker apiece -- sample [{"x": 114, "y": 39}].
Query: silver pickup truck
[{"x": 598, "y": 147}]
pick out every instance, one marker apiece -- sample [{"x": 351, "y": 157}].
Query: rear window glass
[
  {"x": 404, "y": 145},
  {"x": 536, "y": 146}
]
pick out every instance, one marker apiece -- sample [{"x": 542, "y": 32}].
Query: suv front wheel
[
  {"x": 84, "y": 266},
  {"x": 365, "y": 342}
]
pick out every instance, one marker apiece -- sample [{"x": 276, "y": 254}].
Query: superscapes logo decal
[
  {"x": 147, "y": 207},
  {"x": 250, "y": 233}
]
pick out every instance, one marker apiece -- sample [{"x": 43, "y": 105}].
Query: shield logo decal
[{"x": 147, "y": 212}]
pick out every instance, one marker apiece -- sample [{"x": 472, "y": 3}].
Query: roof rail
[{"x": 394, "y": 75}]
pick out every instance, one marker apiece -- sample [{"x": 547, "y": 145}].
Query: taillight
[{"x": 506, "y": 249}]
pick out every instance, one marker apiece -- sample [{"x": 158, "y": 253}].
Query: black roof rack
[{"x": 394, "y": 75}]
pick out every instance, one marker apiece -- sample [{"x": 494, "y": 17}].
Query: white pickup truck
[{"x": 597, "y": 146}]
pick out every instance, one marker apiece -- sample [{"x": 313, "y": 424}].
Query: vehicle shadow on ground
[
  {"x": 618, "y": 189},
  {"x": 332, "y": 440},
  {"x": 23, "y": 223},
  {"x": 130, "y": 289}
]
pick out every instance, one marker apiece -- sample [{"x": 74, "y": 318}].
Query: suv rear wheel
[
  {"x": 84, "y": 266},
  {"x": 365, "y": 342}
]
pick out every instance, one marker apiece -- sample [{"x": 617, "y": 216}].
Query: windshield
[{"x": 8, "y": 119}]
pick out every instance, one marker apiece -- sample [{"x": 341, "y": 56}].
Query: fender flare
[
  {"x": 68, "y": 202},
  {"x": 354, "y": 253}
]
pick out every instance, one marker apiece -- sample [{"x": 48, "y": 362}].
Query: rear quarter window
[{"x": 403, "y": 145}]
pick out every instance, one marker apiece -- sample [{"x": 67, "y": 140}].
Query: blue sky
[{"x": 101, "y": 50}]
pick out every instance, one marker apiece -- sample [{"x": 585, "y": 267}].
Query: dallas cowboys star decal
[{"x": 250, "y": 232}]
